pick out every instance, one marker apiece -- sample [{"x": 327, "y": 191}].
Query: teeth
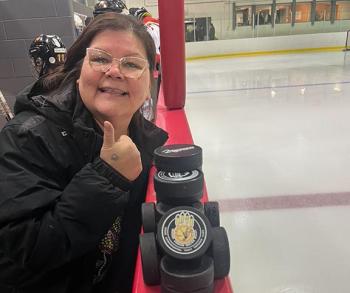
[{"x": 113, "y": 91}]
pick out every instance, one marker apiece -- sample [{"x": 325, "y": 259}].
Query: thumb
[{"x": 108, "y": 134}]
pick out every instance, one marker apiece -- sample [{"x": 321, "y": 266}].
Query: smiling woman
[
  {"x": 81, "y": 151},
  {"x": 115, "y": 92}
]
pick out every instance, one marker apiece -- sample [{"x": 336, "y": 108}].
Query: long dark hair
[{"x": 70, "y": 71}]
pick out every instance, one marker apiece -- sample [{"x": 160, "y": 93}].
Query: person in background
[
  {"x": 104, "y": 6},
  {"x": 151, "y": 23},
  {"x": 200, "y": 32},
  {"x": 79, "y": 23},
  {"x": 152, "y": 26},
  {"x": 211, "y": 31},
  {"x": 75, "y": 162},
  {"x": 46, "y": 52}
]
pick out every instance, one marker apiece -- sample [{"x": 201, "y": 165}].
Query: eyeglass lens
[{"x": 131, "y": 67}]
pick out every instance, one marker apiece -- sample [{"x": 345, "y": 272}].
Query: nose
[{"x": 114, "y": 70}]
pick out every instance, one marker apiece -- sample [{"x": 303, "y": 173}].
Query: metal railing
[{"x": 346, "y": 42}]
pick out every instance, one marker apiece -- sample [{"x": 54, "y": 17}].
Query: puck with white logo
[
  {"x": 184, "y": 233},
  {"x": 178, "y": 188},
  {"x": 178, "y": 157}
]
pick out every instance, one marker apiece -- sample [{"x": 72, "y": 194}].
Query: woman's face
[{"x": 110, "y": 95}]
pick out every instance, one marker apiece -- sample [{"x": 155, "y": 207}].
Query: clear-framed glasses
[{"x": 130, "y": 67}]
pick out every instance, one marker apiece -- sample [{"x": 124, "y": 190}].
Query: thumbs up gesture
[{"x": 122, "y": 155}]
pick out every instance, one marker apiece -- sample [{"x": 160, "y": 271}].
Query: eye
[
  {"x": 131, "y": 65},
  {"x": 100, "y": 59}
]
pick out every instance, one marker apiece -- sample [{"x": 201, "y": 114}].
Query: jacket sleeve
[{"x": 44, "y": 223}]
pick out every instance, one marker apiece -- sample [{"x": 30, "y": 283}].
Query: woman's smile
[{"x": 113, "y": 91}]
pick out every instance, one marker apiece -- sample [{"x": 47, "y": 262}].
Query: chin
[{"x": 109, "y": 114}]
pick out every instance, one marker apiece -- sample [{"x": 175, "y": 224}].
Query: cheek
[
  {"x": 140, "y": 89},
  {"x": 146, "y": 85},
  {"x": 87, "y": 81},
  {"x": 146, "y": 90}
]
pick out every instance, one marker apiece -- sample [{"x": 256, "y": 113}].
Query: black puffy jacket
[{"x": 58, "y": 198}]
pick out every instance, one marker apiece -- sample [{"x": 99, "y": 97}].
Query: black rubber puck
[{"x": 178, "y": 157}]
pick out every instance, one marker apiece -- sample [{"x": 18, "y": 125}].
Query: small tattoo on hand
[{"x": 114, "y": 157}]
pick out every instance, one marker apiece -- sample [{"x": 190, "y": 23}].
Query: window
[
  {"x": 263, "y": 14},
  {"x": 199, "y": 29},
  {"x": 243, "y": 15},
  {"x": 323, "y": 11},
  {"x": 342, "y": 10},
  {"x": 302, "y": 12},
  {"x": 190, "y": 33},
  {"x": 283, "y": 13}
]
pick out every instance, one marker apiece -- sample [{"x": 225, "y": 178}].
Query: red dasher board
[{"x": 175, "y": 123}]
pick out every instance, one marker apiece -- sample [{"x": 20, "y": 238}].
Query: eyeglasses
[{"x": 130, "y": 67}]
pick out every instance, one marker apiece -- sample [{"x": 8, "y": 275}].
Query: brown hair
[{"x": 70, "y": 71}]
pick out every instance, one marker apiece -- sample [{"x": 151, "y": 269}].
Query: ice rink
[{"x": 275, "y": 133}]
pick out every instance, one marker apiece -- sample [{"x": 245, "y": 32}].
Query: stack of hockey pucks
[
  {"x": 183, "y": 247},
  {"x": 179, "y": 178}
]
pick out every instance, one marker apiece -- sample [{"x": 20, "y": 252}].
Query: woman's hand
[{"x": 122, "y": 155}]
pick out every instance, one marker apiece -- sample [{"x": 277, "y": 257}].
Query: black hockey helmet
[
  {"x": 139, "y": 12},
  {"x": 104, "y": 6},
  {"x": 47, "y": 51}
]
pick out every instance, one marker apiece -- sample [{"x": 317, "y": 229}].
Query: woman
[{"x": 74, "y": 164}]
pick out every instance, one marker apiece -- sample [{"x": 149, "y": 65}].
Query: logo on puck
[
  {"x": 168, "y": 151},
  {"x": 184, "y": 232},
  {"x": 173, "y": 176}
]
